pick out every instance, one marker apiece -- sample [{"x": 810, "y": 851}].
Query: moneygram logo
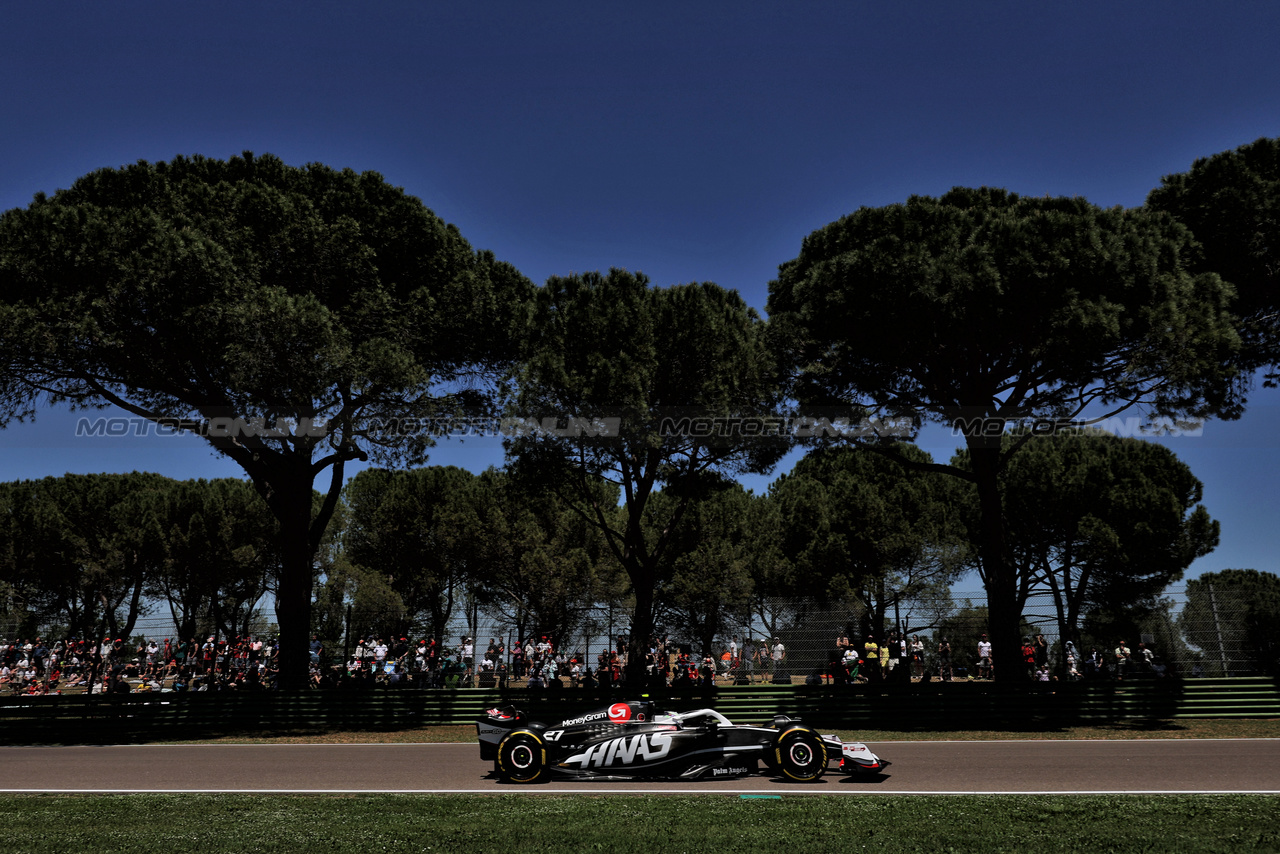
[
  {"x": 619, "y": 712},
  {"x": 595, "y": 716}
]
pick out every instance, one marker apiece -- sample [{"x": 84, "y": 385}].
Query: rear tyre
[
  {"x": 522, "y": 757},
  {"x": 800, "y": 755}
]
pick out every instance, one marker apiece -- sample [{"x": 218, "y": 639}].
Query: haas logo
[
  {"x": 619, "y": 712},
  {"x": 623, "y": 751}
]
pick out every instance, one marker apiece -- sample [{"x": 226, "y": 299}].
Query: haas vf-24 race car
[{"x": 632, "y": 740}]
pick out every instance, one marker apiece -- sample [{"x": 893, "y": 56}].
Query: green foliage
[
  {"x": 611, "y": 347},
  {"x": 377, "y": 609},
  {"x": 423, "y": 541},
  {"x": 417, "y": 529},
  {"x": 84, "y": 548},
  {"x": 1233, "y": 616},
  {"x": 200, "y": 288},
  {"x": 1101, "y": 522},
  {"x": 291, "y": 316},
  {"x": 88, "y": 551},
  {"x": 984, "y": 302},
  {"x": 540, "y": 565},
  {"x": 221, "y": 555},
  {"x": 1231, "y": 202},
  {"x": 710, "y": 589},
  {"x": 995, "y": 308},
  {"x": 859, "y": 522}
]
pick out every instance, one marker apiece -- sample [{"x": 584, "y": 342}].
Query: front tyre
[
  {"x": 522, "y": 756},
  {"x": 800, "y": 755}
]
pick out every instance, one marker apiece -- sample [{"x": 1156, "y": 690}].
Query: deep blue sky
[{"x": 691, "y": 141}]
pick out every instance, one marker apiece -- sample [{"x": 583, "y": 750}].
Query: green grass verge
[{"x": 504, "y": 824}]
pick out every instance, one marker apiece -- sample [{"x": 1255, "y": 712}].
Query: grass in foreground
[
  {"x": 1197, "y": 728},
  {"x": 712, "y": 823}
]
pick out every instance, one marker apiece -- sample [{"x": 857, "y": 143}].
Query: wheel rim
[
  {"x": 801, "y": 754},
  {"x": 521, "y": 756}
]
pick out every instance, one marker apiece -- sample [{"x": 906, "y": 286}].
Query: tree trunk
[
  {"x": 292, "y": 506},
  {"x": 999, "y": 575},
  {"x": 642, "y": 583}
]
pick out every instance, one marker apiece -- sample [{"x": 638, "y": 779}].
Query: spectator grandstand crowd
[{"x": 249, "y": 663}]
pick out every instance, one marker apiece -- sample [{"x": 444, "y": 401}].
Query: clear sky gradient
[{"x": 690, "y": 141}]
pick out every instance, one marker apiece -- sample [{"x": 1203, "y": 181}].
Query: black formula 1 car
[{"x": 633, "y": 740}]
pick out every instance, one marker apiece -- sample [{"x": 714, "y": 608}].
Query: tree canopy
[
  {"x": 1102, "y": 523},
  {"x": 419, "y": 530},
  {"x": 222, "y": 556},
  {"x": 863, "y": 525},
  {"x": 647, "y": 383},
  {"x": 292, "y": 317},
  {"x": 1233, "y": 616},
  {"x": 983, "y": 308},
  {"x": 94, "y": 553},
  {"x": 708, "y": 595},
  {"x": 84, "y": 548},
  {"x": 1231, "y": 202},
  {"x": 541, "y": 566}
]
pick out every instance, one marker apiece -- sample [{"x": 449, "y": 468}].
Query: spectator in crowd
[
  {"x": 707, "y": 674},
  {"x": 1041, "y": 647},
  {"x": 1042, "y": 676},
  {"x": 917, "y": 657},
  {"x": 944, "y": 660},
  {"x": 871, "y": 659},
  {"x": 893, "y": 654},
  {"x": 1094, "y": 664},
  {"x": 984, "y": 657},
  {"x": 517, "y": 660},
  {"x": 835, "y": 666},
  {"x": 1145, "y": 659},
  {"x": 468, "y": 653},
  {"x": 1122, "y": 655},
  {"x": 1072, "y": 661},
  {"x": 853, "y": 665},
  {"x": 399, "y": 652},
  {"x": 1029, "y": 657}
]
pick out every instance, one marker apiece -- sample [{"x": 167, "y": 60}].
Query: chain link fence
[{"x": 1203, "y": 634}]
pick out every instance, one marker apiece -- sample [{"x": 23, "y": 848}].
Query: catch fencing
[{"x": 1201, "y": 636}]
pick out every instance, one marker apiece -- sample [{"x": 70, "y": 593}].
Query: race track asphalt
[{"x": 1226, "y": 765}]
